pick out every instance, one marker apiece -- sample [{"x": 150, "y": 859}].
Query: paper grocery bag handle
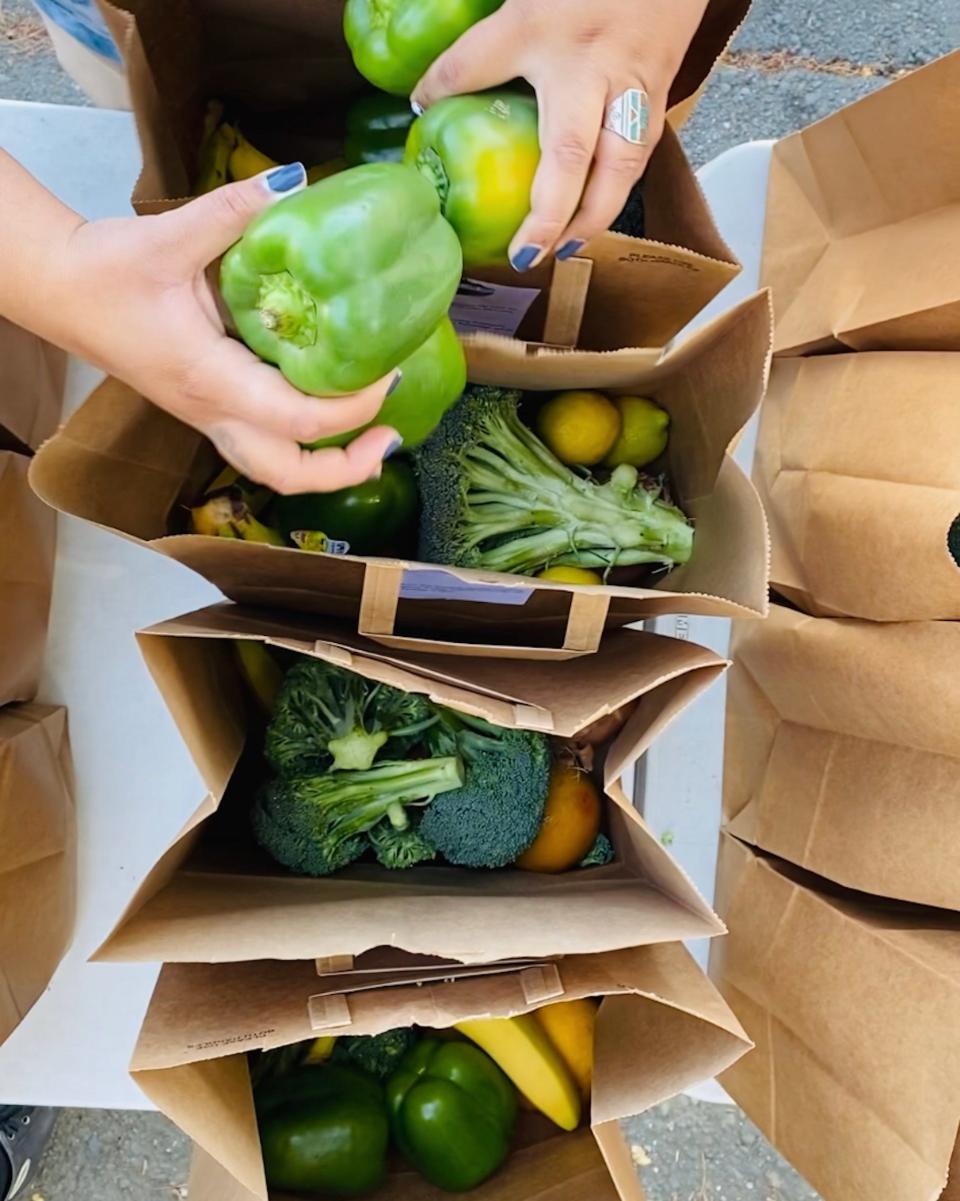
[
  {"x": 381, "y": 596},
  {"x": 566, "y": 302},
  {"x": 328, "y": 1012}
]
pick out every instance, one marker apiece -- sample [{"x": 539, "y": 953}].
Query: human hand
[
  {"x": 579, "y": 57},
  {"x": 133, "y": 298}
]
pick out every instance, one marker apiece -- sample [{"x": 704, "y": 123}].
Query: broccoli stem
[
  {"x": 357, "y": 750},
  {"x": 367, "y": 796},
  {"x": 514, "y": 485}
]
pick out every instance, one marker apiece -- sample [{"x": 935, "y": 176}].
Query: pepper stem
[
  {"x": 287, "y": 309},
  {"x": 430, "y": 165}
]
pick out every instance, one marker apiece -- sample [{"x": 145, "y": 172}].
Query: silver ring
[{"x": 628, "y": 116}]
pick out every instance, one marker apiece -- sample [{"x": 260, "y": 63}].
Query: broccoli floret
[
  {"x": 497, "y": 813},
  {"x": 318, "y": 824},
  {"x": 377, "y": 1054},
  {"x": 495, "y": 497},
  {"x": 400, "y": 848},
  {"x": 326, "y": 717},
  {"x": 599, "y": 854}
]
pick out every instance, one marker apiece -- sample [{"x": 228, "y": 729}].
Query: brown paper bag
[
  {"x": 843, "y": 751},
  {"x": 858, "y": 465},
  {"x": 224, "y": 899},
  {"x": 863, "y": 222},
  {"x": 854, "y": 1005},
  {"x": 661, "y": 1027},
  {"x": 284, "y": 68},
  {"x": 27, "y": 549},
  {"x": 37, "y": 855},
  {"x": 32, "y": 374},
  {"x": 128, "y": 466}
]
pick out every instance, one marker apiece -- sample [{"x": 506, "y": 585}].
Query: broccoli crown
[
  {"x": 377, "y": 1054},
  {"x": 497, "y": 813},
  {"x": 326, "y": 717},
  {"x": 495, "y": 497},
  {"x": 600, "y": 853},
  {"x": 318, "y": 824},
  {"x": 398, "y": 849}
]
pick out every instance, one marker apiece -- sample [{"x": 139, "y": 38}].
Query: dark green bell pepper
[
  {"x": 324, "y": 1130},
  {"x": 434, "y": 376},
  {"x": 452, "y": 1113},
  {"x": 377, "y": 128},
  {"x": 377, "y": 517},
  {"x": 393, "y": 42},
  {"x": 341, "y": 282},
  {"x": 481, "y": 153}
]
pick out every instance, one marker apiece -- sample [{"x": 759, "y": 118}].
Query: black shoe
[{"x": 24, "y": 1134}]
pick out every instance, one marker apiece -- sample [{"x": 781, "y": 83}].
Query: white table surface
[{"x": 136, "y": 785}]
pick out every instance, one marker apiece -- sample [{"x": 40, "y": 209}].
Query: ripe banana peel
[
  {"x": 570, "y": 1027},
  {"x": 264, "y": 678},
  {"x": 246, "y": 160},
  {"x": 321, "y": 1048},
  {"x": 228, "y": 515},
  {"x": 521, "y": 1047}
]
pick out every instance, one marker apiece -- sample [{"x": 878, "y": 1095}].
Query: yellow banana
[
  {"x": 570, "y": 1027},
  {"x": 261, "y": 672},
  {"x": 228, "y": 515},
  {"x": 246, "y": 160},
  {"x": 332, "y": 166},
  {"x": 227, "y": 478},
  {"x": 320, "y": 1049},
  {"x": 520, "y": 1046},
  {"x": 215, "y": 155}
]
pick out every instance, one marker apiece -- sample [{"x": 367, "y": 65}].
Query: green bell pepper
[
  {"x": 481, "y": 153},
  {"x": 377, "y": 517},
  {"x": 341, "y": 282},
  {"x": 434, "y": 376},
  {"x": 393, "y": 42},
  {"x": 324, "y": 1130},
  {"x": 452, "y": 1113},
  {"x": 377, "y": 128}
]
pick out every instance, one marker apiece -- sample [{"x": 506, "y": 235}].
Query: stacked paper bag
[
  {"x": 842, "y": 758},
  {"x": 37, "y": 829}
]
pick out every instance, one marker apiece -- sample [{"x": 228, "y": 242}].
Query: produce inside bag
[
  {"x": 360, "y": 769},
  {"x": 334, "y": 1113}
]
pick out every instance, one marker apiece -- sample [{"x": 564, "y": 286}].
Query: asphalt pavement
[{"x": 791, "y": 64}]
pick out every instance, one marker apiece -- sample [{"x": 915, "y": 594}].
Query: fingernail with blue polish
[
  {"x": 417, "y": 108},
  {"x": 286, "y": 178},
  {"x": 569, "y": 249},
  {"x": 395, "y": 382},
  {"x": 393, "y": 447},
  {"x": 523, "y": 259}
]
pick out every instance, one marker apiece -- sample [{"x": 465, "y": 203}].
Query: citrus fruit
[
  {"x": 571, "y": 575},
  {"x": 571, "y": 821},
  {"x": 644, "y": 432},
  {"x": 579, "y": 427}
]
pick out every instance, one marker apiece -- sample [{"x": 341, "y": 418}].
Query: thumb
[
  {"x": 205, "y": 228},
  {"x": 482, "y": 57}
]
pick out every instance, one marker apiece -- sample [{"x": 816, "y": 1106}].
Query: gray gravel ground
[{"x": 793, "y": 63}]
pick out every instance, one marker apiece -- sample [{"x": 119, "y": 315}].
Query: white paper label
[
  {"x": 441, "y": 585},
  {"x": 482, "y": 308}
]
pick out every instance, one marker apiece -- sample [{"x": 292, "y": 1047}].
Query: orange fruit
[{"x": 571, "y": 822}]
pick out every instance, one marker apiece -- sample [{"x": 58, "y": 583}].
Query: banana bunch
[
  {"x": 547, "y": 1054},
  {"x": 226, "y": 155},
  {"x": 230, "y": 508}
]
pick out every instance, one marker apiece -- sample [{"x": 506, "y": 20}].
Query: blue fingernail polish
[
  {"x": 285, "y": 179},
  {"x": 417, "y": 108},
  {"x": 569, "y": 249},
  {"x": 523, "y": 259},
  {"x": 393, "y": 447},
  {"x": 395, "y": 382}
]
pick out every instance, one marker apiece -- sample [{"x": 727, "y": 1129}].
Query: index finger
[{"x": 570, "y": 122}]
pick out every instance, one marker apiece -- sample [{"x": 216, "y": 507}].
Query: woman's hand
[
  {"x": 579, "y": 57},
  {"x": 131, "y": 296}
]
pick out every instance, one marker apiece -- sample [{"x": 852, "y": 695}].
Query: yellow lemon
[
  {"x": 571, "y": 575},
  {"x": 644, "y": 432},
  {"x": 579, "y": 427}
]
